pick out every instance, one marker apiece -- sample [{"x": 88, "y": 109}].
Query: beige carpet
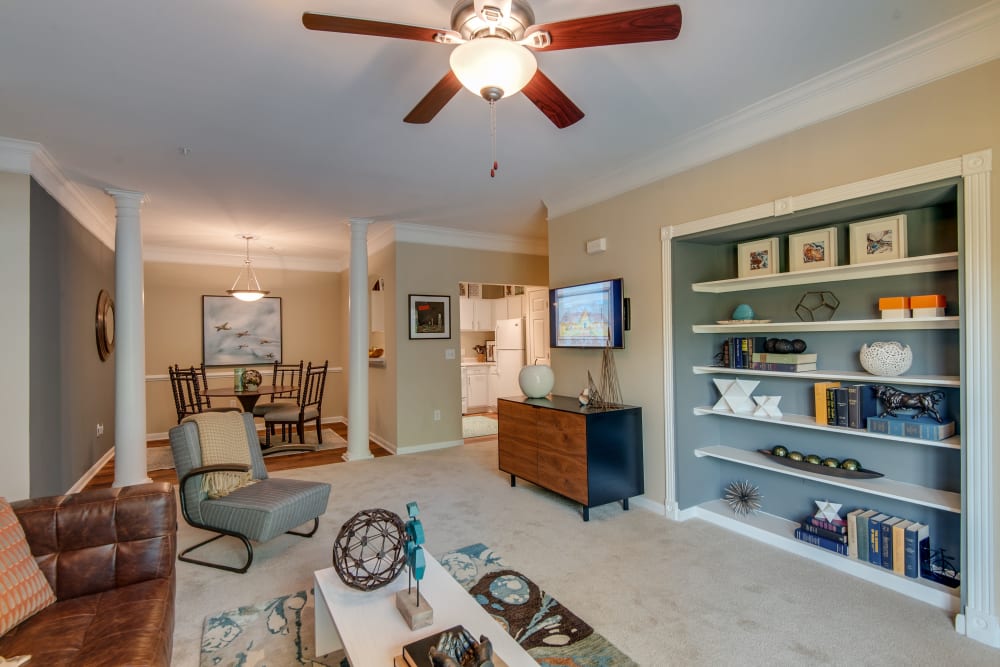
[
  {"x": 160, "y": 458},
  {"x": 665, "y": 593}
]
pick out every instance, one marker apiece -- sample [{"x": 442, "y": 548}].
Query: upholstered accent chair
[{"x": 256, "y": 512}]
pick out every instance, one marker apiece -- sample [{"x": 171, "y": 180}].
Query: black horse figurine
[{"x": 893, "y": 399}]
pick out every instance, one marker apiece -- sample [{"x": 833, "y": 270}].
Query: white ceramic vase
[
  {"x": 886, "y": 358},
  {"x": 536, "y": 380}
]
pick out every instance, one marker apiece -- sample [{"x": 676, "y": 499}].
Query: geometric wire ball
[{"x": 370, "y": 549}]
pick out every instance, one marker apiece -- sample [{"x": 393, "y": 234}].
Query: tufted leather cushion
[{"x": 109, "y": 556}]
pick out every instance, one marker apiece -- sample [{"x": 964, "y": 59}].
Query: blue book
[
  {"x": 842, "y": 407},
  {"x": 875, "y": 539},
  {"x": 924, "y": 428},
  {"x": 918, "y": 548},
  {"x": 862, "y": 403},
  {"x": 886, "y": 540},
  {"x": 836, "y": 547}
]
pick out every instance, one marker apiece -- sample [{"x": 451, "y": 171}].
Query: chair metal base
[{"x": 246, "y": 543}]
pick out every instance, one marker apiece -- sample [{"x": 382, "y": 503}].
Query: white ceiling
[{"x": 292, "y": 132}]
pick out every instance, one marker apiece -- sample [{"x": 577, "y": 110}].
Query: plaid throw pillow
[{"x": 24, "y": 590}]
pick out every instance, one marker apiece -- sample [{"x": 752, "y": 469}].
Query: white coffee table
[{"x": 372, "y": 632}]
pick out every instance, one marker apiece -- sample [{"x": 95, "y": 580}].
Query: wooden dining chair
[
  {"x": 186, "y": 384},
  {"x": 309, "y": 407},
  {"x": 283, "y": 375}
]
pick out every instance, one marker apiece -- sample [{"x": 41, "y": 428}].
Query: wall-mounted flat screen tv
[{"x": 588, "y": 315}]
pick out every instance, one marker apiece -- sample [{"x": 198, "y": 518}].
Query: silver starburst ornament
[{"x": 743, "y": 497}]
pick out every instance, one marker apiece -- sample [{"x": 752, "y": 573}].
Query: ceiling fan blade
[
  {"x": 653, "y": 24},
  {"x": 551, "y": 101},
  {"x": 434, "y": 101},
  {"x": 367, "y": 27}
]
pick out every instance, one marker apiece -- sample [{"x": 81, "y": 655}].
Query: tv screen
[{"x": 587, "y": 315}]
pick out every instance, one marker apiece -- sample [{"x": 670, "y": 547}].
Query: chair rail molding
[{"x": 978, "y": 615}]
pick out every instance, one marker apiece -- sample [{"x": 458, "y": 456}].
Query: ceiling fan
[{"x": 492, "y": 56}]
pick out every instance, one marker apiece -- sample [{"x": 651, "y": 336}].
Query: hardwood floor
[{"x": 106, "y": 476}]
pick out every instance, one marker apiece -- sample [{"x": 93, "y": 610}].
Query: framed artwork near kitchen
[
  {"x": 491, "y": 346},
  {"x": 430, "y": 316}
]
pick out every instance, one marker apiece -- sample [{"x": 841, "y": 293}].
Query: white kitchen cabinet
[
  {"x": 477, "y": 387},
  {"x": 492, "y": 385},
  {"x": 515, "y": 306},
  {"x": 465, "y": 313},
  {"x": 499, "y": 310},
  {"x": 482, "y": 319}
]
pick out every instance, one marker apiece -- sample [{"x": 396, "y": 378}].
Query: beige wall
[
  {"x": 15, "y": 195},
  {"x": 313, "y": 312},
  {"x": 936, "y": 122},
  {"x": 425, "y": 380}
]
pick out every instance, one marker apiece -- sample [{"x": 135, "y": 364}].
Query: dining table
[{"x": 248, "y": 398}]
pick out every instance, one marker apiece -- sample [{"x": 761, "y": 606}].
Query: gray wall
[{"x": 71, "y": 389}]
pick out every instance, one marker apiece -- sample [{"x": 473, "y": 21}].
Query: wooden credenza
[{"x": 592, "y": 456}]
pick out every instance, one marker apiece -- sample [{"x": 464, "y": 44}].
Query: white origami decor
[
  {"x": 767, "y": 406},
  {"x": 735, "y": 395}
]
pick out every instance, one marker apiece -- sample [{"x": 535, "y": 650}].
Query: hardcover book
[
  {"x": 822, "y": 532},
  {"x": 924, "y": 428},
  {"x": 885, "y": 531},
  {"x": 852, "y": 532},
  {"x": 837, "y": 526},
  {"x": 864, "y": 537},
  {"x": 831, "y": 405},
  {"x": 875, "y": 538},
  {"x": 861, "y": 404},
  {"x": 820, "y": 398},
  {"x": 790, "y": 358},
  {"x": 783, "y": 368},
  {"x": 836, "y": 547},
  {"x": 917, "y": 547},
  {"x": 841, "y": 394},
  {"x": 899, "y": 547}
]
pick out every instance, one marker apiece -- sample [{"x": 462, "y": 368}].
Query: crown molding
[
  {"x": 967, "y": 40},
  {"x": 173, "y": 255},
  {"x": 31, "y": 158},
  {"x": 461, "y": 238}
]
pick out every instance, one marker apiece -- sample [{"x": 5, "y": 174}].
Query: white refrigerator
[{"x": 509, "y": 354}]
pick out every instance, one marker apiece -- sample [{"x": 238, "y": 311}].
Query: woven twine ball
[
  {"x": 370, "y": 549},
  {"x": 886, "y": 358}
]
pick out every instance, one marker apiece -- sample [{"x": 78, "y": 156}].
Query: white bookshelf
[
  {"x": 847, "y": 376},
  {"x": 909, "y": 324},
  {"x": 808, "y": 421},
  {"x": 878, "y": 486},
  {"x": 946, "y": 261},
  {"x": 780, "y": 532}
]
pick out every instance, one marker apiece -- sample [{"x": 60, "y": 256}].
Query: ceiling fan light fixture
[
  {"x": 251, "y": 291},
  {"x": 493, "y": 67}
]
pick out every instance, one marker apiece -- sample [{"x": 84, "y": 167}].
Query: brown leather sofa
[{"x": 109, "y": 556}]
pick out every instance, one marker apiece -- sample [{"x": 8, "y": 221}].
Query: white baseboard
[
  {"x": 94, "y": 469},
  {"x": 642, "y": 502},
  {"x": 382, "y": 442},
  {"x": 415, "y": 449}
]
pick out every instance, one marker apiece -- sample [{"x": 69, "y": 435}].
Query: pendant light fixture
[{"x": 252, "y": 290}]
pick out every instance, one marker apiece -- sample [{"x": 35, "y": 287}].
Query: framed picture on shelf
[
  {"x": 758, "y": 258},
  {"x": 815, "y": 249},
  {"x": 430, "y": 316},
  {"x": 878, "y": 240}
]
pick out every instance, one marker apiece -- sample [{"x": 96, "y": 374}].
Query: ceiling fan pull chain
[{"x": 493, "y": 137}]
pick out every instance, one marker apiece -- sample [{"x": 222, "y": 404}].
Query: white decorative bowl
[
  {"x": 536, "y": 380},
  {"x": 886, "y": 358}
]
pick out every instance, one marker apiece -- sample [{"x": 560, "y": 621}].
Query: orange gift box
[
  {"x": 927, "y": 301},
  {"x": 894, "y": 303}
]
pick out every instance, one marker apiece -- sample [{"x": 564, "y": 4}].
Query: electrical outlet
[
  {"x": 100, "y": 430},
  {"x": 437, "y": 415}
]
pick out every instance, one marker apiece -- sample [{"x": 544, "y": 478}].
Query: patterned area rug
[
  {"x": 477, "y": 426},
  {"x": 160, "y": 458},
  {"x": 279, "y": 632}
]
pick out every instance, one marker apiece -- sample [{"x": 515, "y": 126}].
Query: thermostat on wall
[{"x": 597, "y": 245}]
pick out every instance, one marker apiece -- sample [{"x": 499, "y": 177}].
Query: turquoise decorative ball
[{"x": 743, "y": 312}]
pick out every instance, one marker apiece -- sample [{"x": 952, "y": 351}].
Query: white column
[
  {"x": 357, "y": 390},
  {"x": 130, "y": 343}
]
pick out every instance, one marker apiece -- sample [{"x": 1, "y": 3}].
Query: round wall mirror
[{"x": 105, "y": 325}]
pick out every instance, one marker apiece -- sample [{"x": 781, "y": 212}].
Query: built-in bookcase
[{"x": 926, "y": 481}]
